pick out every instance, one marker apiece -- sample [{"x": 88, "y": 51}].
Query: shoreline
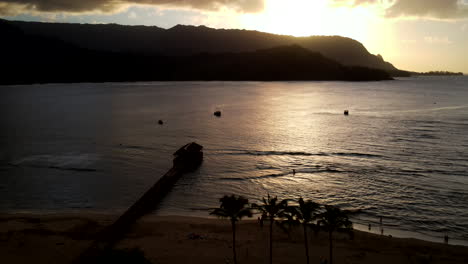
[
  {"x": 61, "y": 237},
  {"x": 388, "y": 231},
  {"x": 114, "y": 214}
]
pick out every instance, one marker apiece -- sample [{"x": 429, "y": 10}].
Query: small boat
[{"x": 217, "y": 113}]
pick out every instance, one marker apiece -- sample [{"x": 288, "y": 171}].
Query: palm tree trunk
[
  {"x": 234, "y": 241},
  {"x": 306, "y": 243},
  {"x": 271, "y": 240},
  {"x": 331, "y": 246}
]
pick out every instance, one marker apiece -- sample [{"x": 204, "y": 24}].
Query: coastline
[
  {"x": 111, "y": 215},
  {"x": 60, "y": 237},
  {"x": 360, "y": 226}
]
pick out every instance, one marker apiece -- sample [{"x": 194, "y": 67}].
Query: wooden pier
[{"x": 187, "y": 158}]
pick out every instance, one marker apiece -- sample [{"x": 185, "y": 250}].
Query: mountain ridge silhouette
[
  {"x": 190, "y": 40},
  {"x": 31, "y": 54}
]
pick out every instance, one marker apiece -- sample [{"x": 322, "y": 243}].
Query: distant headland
[
  {"x": 437, "y": 73},
  {"x": 34, "y": 52}
]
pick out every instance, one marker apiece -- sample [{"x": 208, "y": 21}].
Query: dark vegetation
[
  {"x": 43, "y": 52},
  {"x": 233, "y": 208},
  {"x": 271, "y": 209},
  {"x": 308, "y": 214}
]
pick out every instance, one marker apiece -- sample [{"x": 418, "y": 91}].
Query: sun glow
[{"x": 313, "y": 17}]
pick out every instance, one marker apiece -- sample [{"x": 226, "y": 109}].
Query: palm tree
[
  {"x": 305, "y": 213},
  {"x": 234, "y": 208},
  {"x": 272, "y": 209},
  {"x": 334, "y": 219}
]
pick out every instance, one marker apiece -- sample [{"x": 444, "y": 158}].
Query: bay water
[{"x": 400, "y": 154}]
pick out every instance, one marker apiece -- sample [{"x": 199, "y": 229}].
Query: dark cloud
[
  {"x": 444, "y": 9},
  {"x": 8, "y": 7}
]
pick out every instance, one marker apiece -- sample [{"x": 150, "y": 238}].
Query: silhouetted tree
[
  {"x": 271, "y": 209},
  {"x": 234, "y": 208},
  {"x": 305, "y": 213},
  {"x": 334, "y": 219}
]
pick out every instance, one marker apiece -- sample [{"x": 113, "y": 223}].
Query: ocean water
[{"x": 402, "y": 153}]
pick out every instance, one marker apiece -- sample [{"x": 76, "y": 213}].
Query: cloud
[
  {"x": 439, "y": 9},
  {"x": 9, "y": 7},
  {"x": 437, "y": 40},
  {"x": 443, "y": 9}
]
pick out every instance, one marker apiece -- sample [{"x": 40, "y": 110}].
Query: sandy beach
[{"x": 174, "y": 239}]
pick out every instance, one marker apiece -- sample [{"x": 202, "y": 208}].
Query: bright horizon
[{"x": 413, "y": 35}]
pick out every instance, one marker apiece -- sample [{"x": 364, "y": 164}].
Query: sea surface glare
[{"x": 402, "y": 153}]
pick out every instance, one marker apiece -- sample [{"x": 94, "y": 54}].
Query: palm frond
[
  {"x": 233, "y": 207},
  {"x": 245, "y": 212},
  {"x": 220, "y": 213}
]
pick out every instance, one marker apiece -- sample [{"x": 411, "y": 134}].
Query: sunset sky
[{"x": 418, "y": 35}]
